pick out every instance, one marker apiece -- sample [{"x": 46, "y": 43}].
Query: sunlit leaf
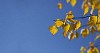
[
  {"x": 64, "y": 34},
  {"x": 69, "y": 15},
  {"x": 65, "y": 27},
  {"x": 99, "y": 14},
  {"x": 73, "y": 2},
  {"x": 78, "y": 24},
  {"x": 82, "y": 48},
  {"x": 67, "y": 1},
  {"x": 84, "y": 32},
  {"x": 91, "y": 44},
  {"x": 58, "y": 22},
  {"x": 71, "y": 36},
  {"x": 97, "y": 37},
  {"x": 59, "y": 5},
  {"x": 92, "y": 29},
  {"x": 53, "y": 29},
  {"x": 71, "y": 20},
  {"x": 76, "y": 35},
  {"x": 97, "y": 6},
  {"x": 81, "y": 51},
  {"x": 98, "y": 26},
  {"x": 85, "y": 8},
  {"x": 72, "y": 27},
  {"x": 93, "y": 50},
  {"x": 92, "y": 20}
]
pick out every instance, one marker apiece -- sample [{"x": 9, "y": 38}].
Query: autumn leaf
[
  {"x": 76, "y": 35},
  {"x": 58, "y": 23},
  {"x": 97, "y": 37},
  {"x": 85, "y": 8},
  {"x": 67, "y": 1},
  {"x": 77, "y": 25},
  {"x": 69, "y": 15},
  {"x": 98, "y": 26},
  {"x": 65, "y": 27},
  {"x": 92, "y": 29},
  {"x": 64, "y": 34},
  {"x": 73, "y": 2},
  {"x": 53, "y": 29},
  {"x": 59, "y": 5},
  {"x": 71, "y": 36},
  {"x": 82, "y": 49},
  {"x": 84, "y": 32},
  {"x": 93, "y": 50}
]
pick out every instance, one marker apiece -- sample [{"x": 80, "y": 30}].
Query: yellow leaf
[
  {"x": 91, "y": 44},
  {"x": 82, "y": 48},
  {"x": 73, "y": 2},
  {"x": 93, "y": 50},
  {"x": 99, "y": 14},
  {"x": 98, "y": 26},
  {"x": 84, "y": 32},
  {"x": 85, "y": 0},
  {"x": 72, "y": 28},
  {"x": 64, "y": 34},
  {"x": 78, "y": 24},
  {"x": 92, "y": 20},
  {"x": 69, "y": 15},
  {"x": 85, "y": 8},
  {"x": 53, "y": 29},
  {"x": 66, "y": 27},
  {"x": 81, "y": 52},
  {"x": 76, "y": 35},
  {"x": 97, "y": 37},
  {"x": 58, "y": 23},
  {"x": 97, "y": 6},
  {"x": 71, "y": 21},
  {"x": 67, "y": 1},
  {"x": 93, "y": 7},
  {"x": 59, "y": 5},
  {"x": 92, "y": 29},
  {"x": 71, "y": 36}
]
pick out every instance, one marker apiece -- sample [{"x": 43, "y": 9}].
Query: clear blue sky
[{"x": 24, "y": 27}]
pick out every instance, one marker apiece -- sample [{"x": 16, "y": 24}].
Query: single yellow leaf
[
  {"x": 82, "y": 48},
  {"x": 73, "y": 2},
  {"x": 67, "y": 1},
  {"x": 69, "y": 15},
  {"x": 76, "y": 35},
  {"x": 92, "y": 20},
  {"x": 92, "y": 29},
  {"x": 71, "y": 36},
  {"x": 97, "y": 37},
  {"x": 58, "y": 23},
  {"x": 93, "y": 50},
  {"x": 84, "y": 32},
  {"x": 72, "y": 27},
  {"x": 98, "y": 26},
  {"x": 81, "y": 52},
  {"x": 71, "y": 20},
  {"x": 65, "y": 27},
  {"x": 85, "y": 8},
  {"x": 64, "y": 34},
  {"x": 99, "y": 14},
  {"x": 78, "y": 25},
  {"x": 59, "y": 5},
  {"x": 53, "y": 29}
]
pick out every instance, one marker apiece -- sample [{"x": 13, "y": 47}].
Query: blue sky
[{"x": 24, "y": 27}]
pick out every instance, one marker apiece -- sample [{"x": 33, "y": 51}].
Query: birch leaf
[{"x": 53, "y": 29}]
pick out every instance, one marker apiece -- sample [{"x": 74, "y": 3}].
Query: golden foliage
[
  {"x": 84, "y": 32},
  {"x": 59, "y": 5},
  {"x": 58, "y": 23},
  {"x": 53, "y": 29}
]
